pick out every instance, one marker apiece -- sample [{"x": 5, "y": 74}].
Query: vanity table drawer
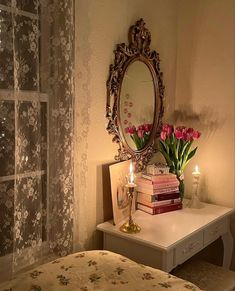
[
  {"x": 188, "y": 248},
  {"x": 215, "y": 231}
]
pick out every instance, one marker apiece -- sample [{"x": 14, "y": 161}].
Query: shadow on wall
[
  {"x": 107, "y": 197},
  {"x": 104, "y": 209},
  {"x": 208, "y": 121}
]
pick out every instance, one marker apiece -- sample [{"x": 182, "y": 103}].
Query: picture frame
[{"x": 120, "y": 202}]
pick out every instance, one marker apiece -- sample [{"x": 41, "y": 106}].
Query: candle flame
[{"x": 196, "y": 168}]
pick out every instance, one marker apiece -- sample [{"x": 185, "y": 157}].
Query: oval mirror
[
  {"x": 137, "y": 103},
  {"x": 135, "y": 97}
]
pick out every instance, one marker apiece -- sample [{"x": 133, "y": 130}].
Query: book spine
[
  {"x": 142, "y": 181},
  {"x": 146, "y": 197},
  {"x": 158, "y": 197},
  {"x": 157, "y": 191},
  {"x": 156, "y": 178},
  {"x": 159, "y": 209},
  {"x": 156, "y": 186},
  {"x": 158, "y": 203},
  {"x": 145, "y": 208}
]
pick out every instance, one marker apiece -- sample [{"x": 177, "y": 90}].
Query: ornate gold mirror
[{"x": 135, "y": 97}]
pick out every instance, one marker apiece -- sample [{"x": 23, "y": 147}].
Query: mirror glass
[{"x": 137, "y": 103}]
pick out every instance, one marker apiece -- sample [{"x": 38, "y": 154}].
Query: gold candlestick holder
[{"x": 130, "y": 226}]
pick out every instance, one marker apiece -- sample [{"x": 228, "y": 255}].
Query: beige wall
[
  {"x": 205, "y": 92},
  {"x": 199, "y": 59},
  {"x": 100, "y": 25}
]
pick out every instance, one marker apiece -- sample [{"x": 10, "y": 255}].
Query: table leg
[
  {"x": 167, "y": 261},
  {"x": 228, "y": 249}
]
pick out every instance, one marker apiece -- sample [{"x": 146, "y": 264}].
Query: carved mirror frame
[{"x": 125, "y": 54}]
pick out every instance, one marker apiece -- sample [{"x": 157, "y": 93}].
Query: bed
[{"x": 96, "y": 270}]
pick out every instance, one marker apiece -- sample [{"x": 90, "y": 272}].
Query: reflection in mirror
[{"x": 137, "y": 103}]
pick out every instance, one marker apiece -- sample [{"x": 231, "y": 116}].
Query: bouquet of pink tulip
[
  {"x": 140, "y": 134},
  {"x": 175, "y": 145}
]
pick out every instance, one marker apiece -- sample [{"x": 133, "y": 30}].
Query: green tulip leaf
[
  {"x": 185, "y": 146},
  {"x": 164, "y": 153},
  {"x": 189, "y": 156},
  {"x": 137, "y": 141},
  {"x": 165, "y": 146},
  {"x": 192, "y": 153}
]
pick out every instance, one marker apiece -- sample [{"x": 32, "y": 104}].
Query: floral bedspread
[{"x": 96, "y": 270}]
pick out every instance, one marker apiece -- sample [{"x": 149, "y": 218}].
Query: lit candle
[
  {"x": 196, "y": 175},
  {"x": 196, "y": 172},
  {"x": 131, "y": 177},
  {"x": 195, "y": 201}
]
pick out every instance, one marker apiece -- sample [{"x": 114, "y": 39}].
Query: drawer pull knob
[
  {"x": 215, "y": 231},
  {"x": 190, "y": 247}
]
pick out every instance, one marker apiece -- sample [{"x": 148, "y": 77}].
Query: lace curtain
[{"x": 36, "y": 129}]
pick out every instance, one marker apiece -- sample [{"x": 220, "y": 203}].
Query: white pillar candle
[
  {"x": 196, "y": 172},
  {"x": 196, "y": 176},
  {"x": 195, "y": 202}
]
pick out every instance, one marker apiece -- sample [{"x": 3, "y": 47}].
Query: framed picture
[{"x": 119, "y": 192}]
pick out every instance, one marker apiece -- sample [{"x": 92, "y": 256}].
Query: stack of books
[{"x": 158, "y": 193}]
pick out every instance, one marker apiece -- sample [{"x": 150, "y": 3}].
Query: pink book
[
  {"x": 150, "y": 191},
  {"x": 157, "y": 182},
  {"x": 159, "y": 209}
]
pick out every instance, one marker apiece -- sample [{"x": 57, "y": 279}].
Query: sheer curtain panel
[{"x": 36, "y": 131}]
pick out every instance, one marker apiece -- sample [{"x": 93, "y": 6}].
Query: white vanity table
[{"x": 169, "y": 239}]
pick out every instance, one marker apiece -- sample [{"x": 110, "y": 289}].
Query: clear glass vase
[{"x": 181, "y": 188}]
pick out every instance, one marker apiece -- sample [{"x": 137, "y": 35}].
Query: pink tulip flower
[
  {"x": 196, "y": 134},
  {"x": 163, "y": 135},
  {"x": 189, "y": 134},
  {"x": 178, "y": 133},
  {"x": 130, "y": 129},
  {"x": 147, "y": 127},
  {"x": 140, "y": 133},
  {"x": 140, "y": 127},
  {"x": 165, "y": 127},
  {"x": 168, "y": 128}
]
